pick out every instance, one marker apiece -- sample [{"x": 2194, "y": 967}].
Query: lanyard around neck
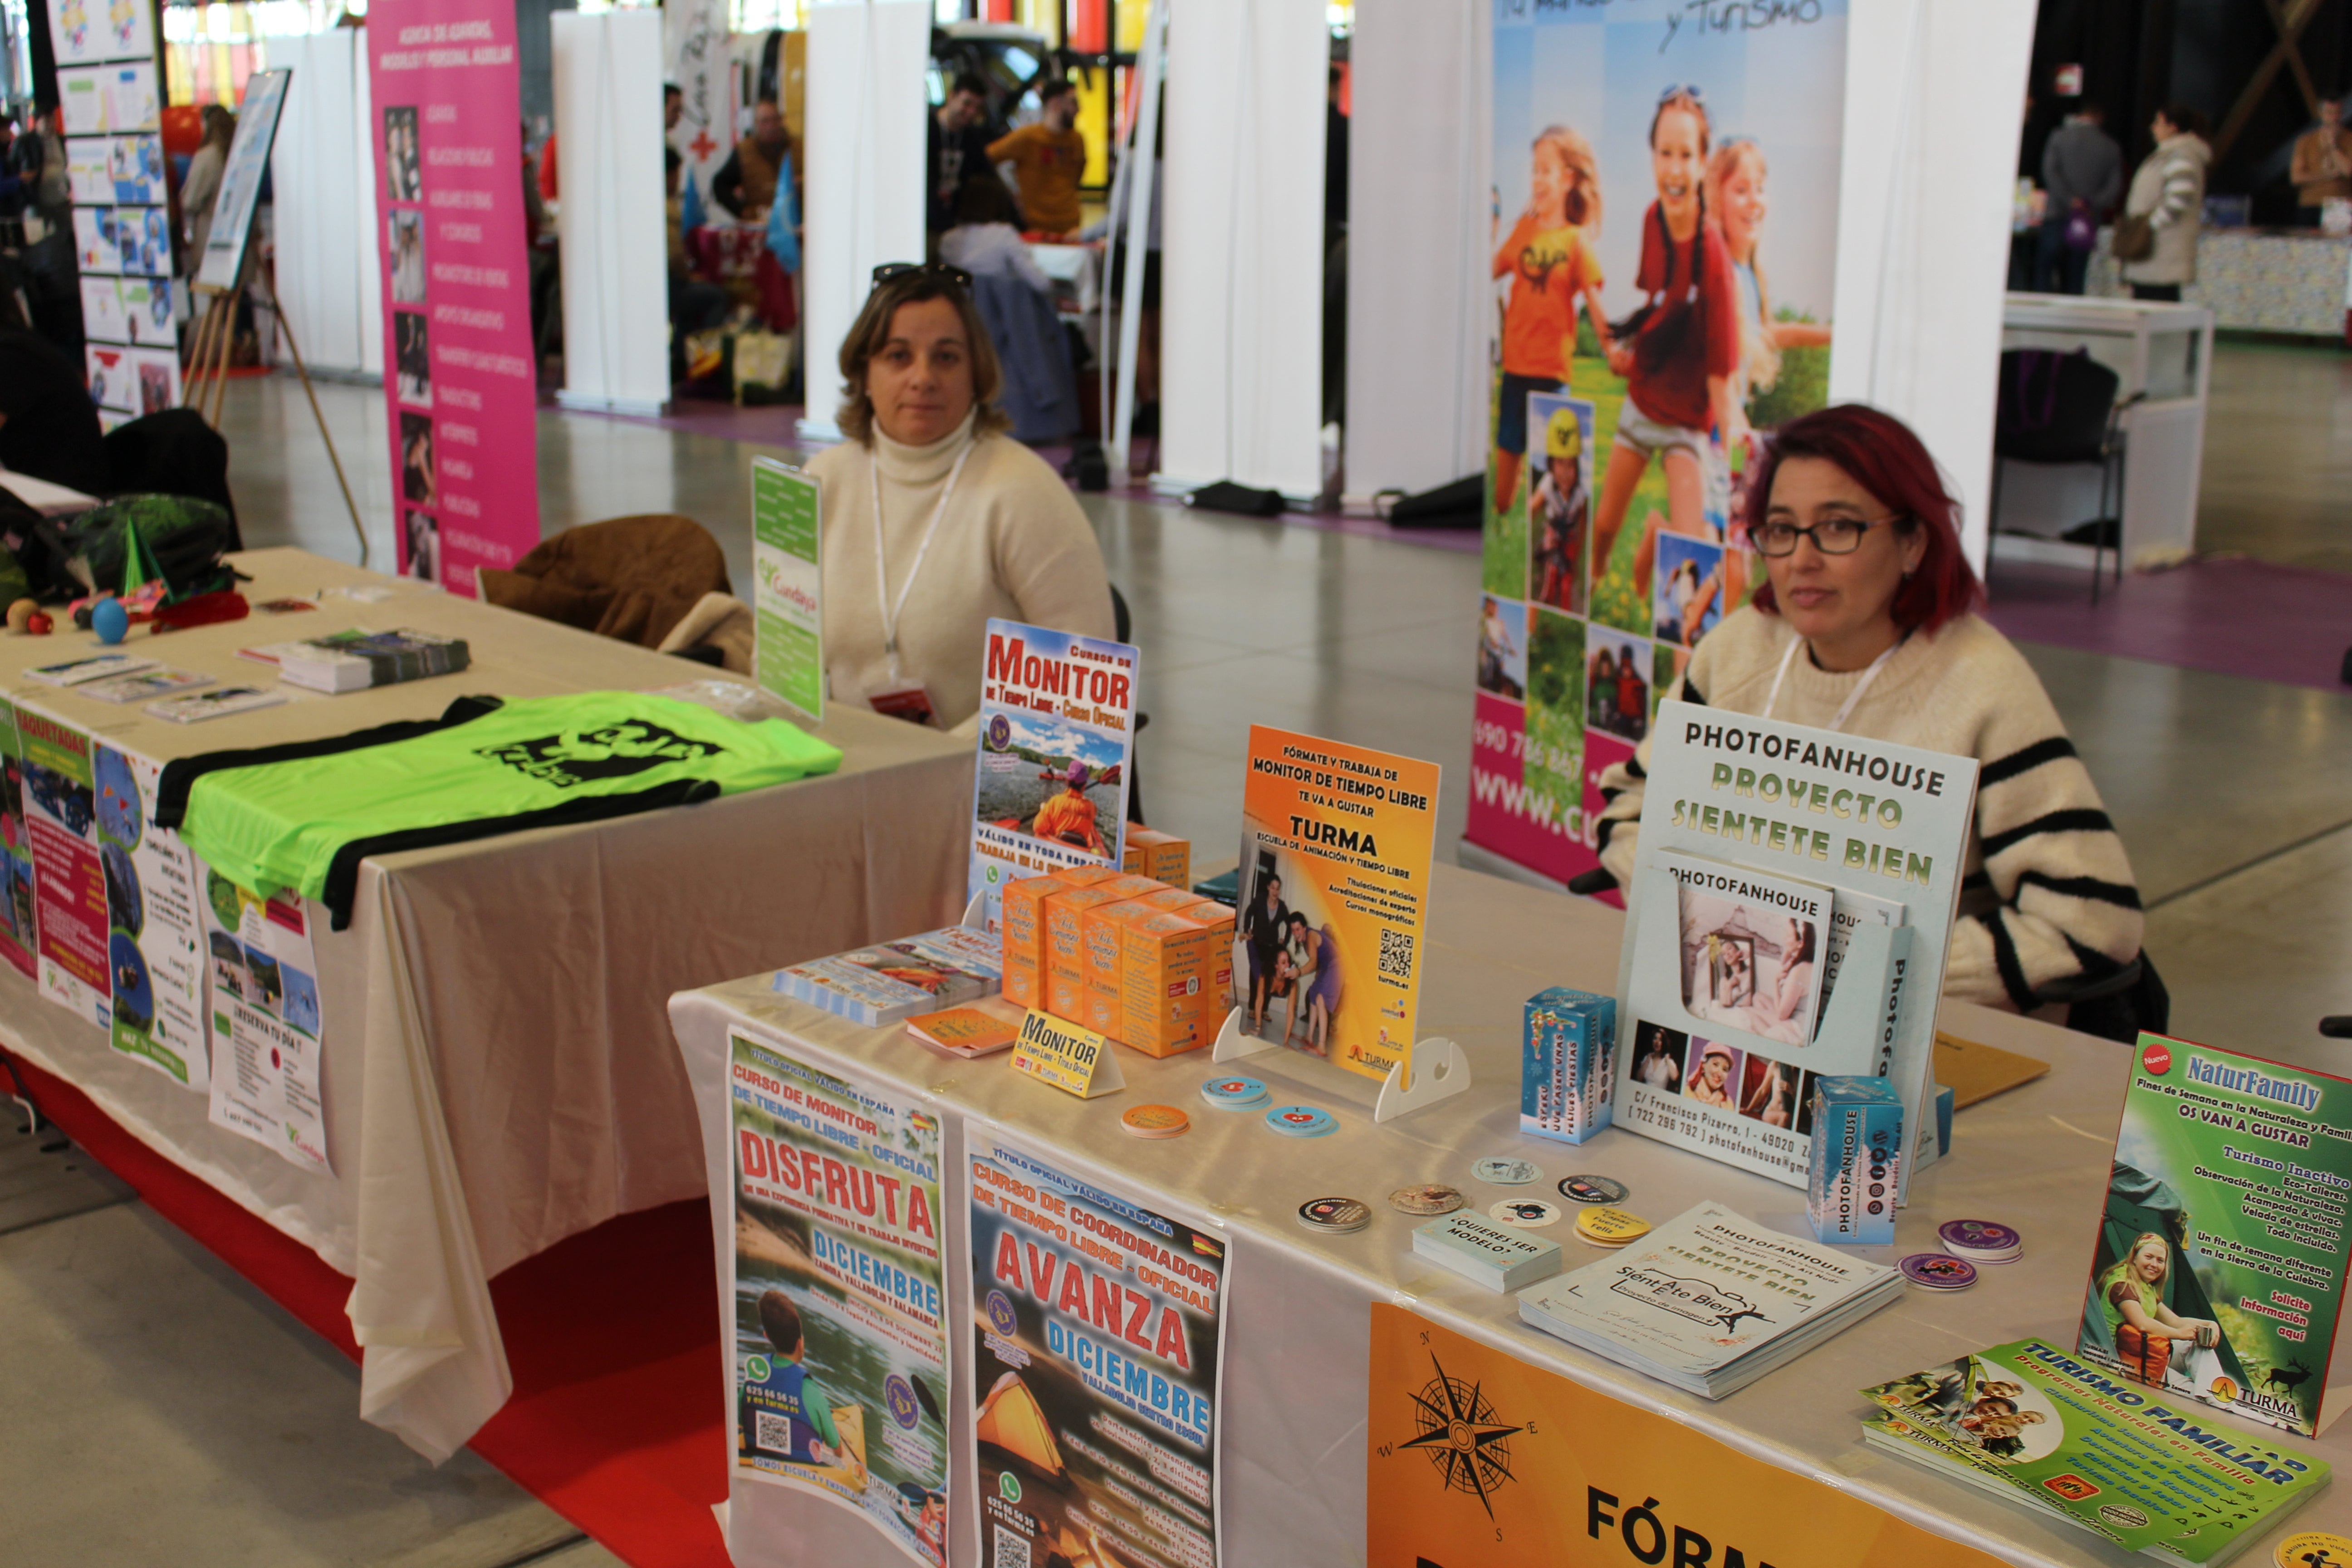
[
  {"x": 1846, "y": 710},
  {"x": 890, "y": 611}
]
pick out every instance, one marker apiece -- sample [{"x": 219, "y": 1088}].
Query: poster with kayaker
[{"x": 1056, "y": 739}]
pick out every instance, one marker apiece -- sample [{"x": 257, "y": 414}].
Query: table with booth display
[
  {"x": 1305, "y": 1314},
  {"x": 498, "y": 1071}
]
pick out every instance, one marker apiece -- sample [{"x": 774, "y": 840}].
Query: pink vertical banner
[{"x": 459, "y": 369}]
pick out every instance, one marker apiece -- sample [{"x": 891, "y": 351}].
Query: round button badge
[
  {"x": 1431, "y": 1198},
  {"x": 1527, "y": 1213},
  {"x": 1300, "y": 1121},
  {"x": 1507, "y": 1171},
  {"x": 1593, "y": 1190}
]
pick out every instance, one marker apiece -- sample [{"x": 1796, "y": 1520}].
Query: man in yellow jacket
[{"x": 1048, "y": 159}]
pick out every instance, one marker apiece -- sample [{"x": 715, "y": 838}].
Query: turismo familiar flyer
[
  {"x": 19, "y": 931},
  {"x": 2218, "y": 1273},
  {"x": 269, "y": 1068},
  {"x": 839, "y": 1360},
  {"x": 68, "y": 890},
  {"x": 788, "y": 587},
  {"x": 1100, "y": 1324},
  {"x": 1478, "y": 1459},
  {"x": 1878, "y": 825},
  {"x": 2033, "y": 1423},
  {"x": 154, "y": 947},
  {"x": 1056, "y": 738},
  {"x": 1336, "y": 847}
]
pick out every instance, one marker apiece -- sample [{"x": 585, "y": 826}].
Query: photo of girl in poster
[
  {"x": 1680, "y": 352},
  {"x": 1548, "y": 259}
]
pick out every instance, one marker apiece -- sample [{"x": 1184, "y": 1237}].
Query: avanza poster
[
  {"x": 1478, "y": 1459},
  {"x": 70, "y": 890},
  {"x": 2218, "y": 1270},
  {"x": 1663, "y": 242},
  {"x": 839, "y": 1358},
  {"x": 154, "y": 953},
  {"x": 1336, "y": 847},
  {"x": 1100, "y": 1324},
  {"x": 460, "y": 371},
  {"x": 19, "y": 931},
  {"x": 1056, "y": 732}
]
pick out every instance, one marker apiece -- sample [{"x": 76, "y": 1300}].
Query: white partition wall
[
  {"x": 1420, "y": 302},
  {"x": 1242, "y": 265},
  {"x": 612, "y": 220},
  {"x": 866, "y": 154},
  {"x": 1933, "y": 90},
  {"x": 322, "y": 179}
]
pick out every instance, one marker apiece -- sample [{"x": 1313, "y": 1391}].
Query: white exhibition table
[
  {"x": 498, "y": 1072},
  {"x": 1298, "y": 1315},
  {"x": 2164, "y": 355}
]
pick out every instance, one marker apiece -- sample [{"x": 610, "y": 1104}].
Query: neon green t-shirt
[{"x": 540, "y": 761}]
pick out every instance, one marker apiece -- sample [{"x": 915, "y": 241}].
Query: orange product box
[
  {"x": 1106, "y": 1012},
  {"x": 1101, "y": 929},
  {"x": 1081, "y": 875},
  {"x": 1025, "y": 919},
  {"x": 1167, "y": 985},
  {"x": 1163, "y": 855},
  {"x": 1129, "y": 887},
  {"x": 1023, "y": 985},
  {"x": 1174, "y": 899},
  {"x": 1065, "y": 998},
  {"x": 1065, "y": 949}
]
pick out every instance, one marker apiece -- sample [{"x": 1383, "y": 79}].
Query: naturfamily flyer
[
  {"x": 1663, "y": 232},
  {"x": 840, "y": 1351}
]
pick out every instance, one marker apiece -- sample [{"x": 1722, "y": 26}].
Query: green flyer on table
[{"x": 788, "y": 587}]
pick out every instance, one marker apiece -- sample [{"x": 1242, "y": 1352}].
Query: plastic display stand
[
  {"x": 1434, "y": 1069},
  {"x": 975, "y": 913}
]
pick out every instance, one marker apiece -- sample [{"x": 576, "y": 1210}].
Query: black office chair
[
  {"x": 2061, "y": 410},
  {"x": 1123, "y": 624}
]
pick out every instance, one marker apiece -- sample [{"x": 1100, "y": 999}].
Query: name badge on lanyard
[{"x": 898, "y": 694}]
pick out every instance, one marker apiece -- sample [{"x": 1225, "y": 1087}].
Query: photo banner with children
[
  {"x": 460, "y": 371},
  {"x": 1665, "y": 234}
]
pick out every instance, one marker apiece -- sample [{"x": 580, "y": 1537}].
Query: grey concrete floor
[{"x": 127, "y": 1341}]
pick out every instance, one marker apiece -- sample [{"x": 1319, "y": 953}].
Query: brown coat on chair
[{"x": 628, "y": 578}]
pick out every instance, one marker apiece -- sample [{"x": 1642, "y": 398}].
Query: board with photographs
[
  {"x": 1792, "y": 897},
  {"x": 1652, "y": 328}
]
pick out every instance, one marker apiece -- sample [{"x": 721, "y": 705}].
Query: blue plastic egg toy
[{"x": 110, "y": 620}]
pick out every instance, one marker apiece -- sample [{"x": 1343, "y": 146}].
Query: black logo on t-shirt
[{"x": 593, "y": 756}]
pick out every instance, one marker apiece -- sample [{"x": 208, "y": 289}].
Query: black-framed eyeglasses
[
  {"x": 1830, "y": 536},
  {"x": 891, "y": 271}
]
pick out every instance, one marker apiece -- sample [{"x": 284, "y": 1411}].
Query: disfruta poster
[{"x": 460, "y": 372}]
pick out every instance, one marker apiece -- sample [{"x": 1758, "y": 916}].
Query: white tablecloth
[
  {"x": 1292, "y": 1453},
  {"x": 499, "y": 1071}
]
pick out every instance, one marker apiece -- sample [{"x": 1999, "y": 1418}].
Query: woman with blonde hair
[
  {"x": 935, "y": 520},
  {"x": 1549, "y": 258},
  {"x": 2131, "y": 1293}
]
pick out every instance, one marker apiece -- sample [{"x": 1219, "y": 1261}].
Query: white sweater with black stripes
[{"x": 2048, "y": 893}]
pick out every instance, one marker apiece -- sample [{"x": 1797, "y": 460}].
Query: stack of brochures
[
  {"x": 893, "y": 981},
  {"x": 2041, "y": 1426},
  {"x": 355, "y": 660},
  {"x": 1710, "y": 1301}
]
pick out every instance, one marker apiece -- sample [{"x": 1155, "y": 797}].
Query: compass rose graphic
[{"x": 1460, "y": 1434}]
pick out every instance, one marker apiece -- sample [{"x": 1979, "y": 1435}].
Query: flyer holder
[
  {"x": 1867, "y": 976},
  {"x": 975, "y": 913},
  {"x": 1432, "y": 1071}
]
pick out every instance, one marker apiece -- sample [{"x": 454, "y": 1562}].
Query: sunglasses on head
[
  {"x": 1695, "y": 93},
  {"x": 891, "y": 271}
]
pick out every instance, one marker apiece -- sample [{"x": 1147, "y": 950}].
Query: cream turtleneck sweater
[
  {"x": 2046, "y": 892},
  {"x": 1011, "y": 543}
]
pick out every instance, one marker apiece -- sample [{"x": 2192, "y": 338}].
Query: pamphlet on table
[
  {"x": 269, "y": 1068},
  {"x": 154, "y": 945},
  {"x": 837, "y": 1352},
  {"x": 1056, "y": 739},
  {"x": 892, "y": 981},
  {"x": 358, "y": 659},
  {"x": 1792, "y": 902},
  {"x": 1099, "y": 1321},
  {"x": 2218, "y": 1268},
  {"x": 1336, "y": 847},
  {"x": 787, "y": 586},
  {"x": 2036, "y": 1425},
  {"x": 1710, "y": 1301}
]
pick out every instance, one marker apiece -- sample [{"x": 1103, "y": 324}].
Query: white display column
[
  {"x": 323, "y": 178},
  {"x": 1932, "y": 99},
  {"x": 1240, "y": 327},
  {"x": 865, "y": 150},
  {"x": 1420, "y": 302},
  {"x": 611, "y": 220}
]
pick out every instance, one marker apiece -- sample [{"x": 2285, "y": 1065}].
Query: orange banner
[
  {"x": 1336, "y": 846},
  {"x": 1478, "y": 1460}
]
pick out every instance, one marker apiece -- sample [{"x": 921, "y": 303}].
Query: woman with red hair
[{"x": 1867, "y": 625}]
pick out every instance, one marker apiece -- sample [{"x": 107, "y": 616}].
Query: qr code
[
  {"x": 1012, "y": 1549},
  {"x": 772, "y": 1433},
  {"x": 1396, "y": 953}
]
